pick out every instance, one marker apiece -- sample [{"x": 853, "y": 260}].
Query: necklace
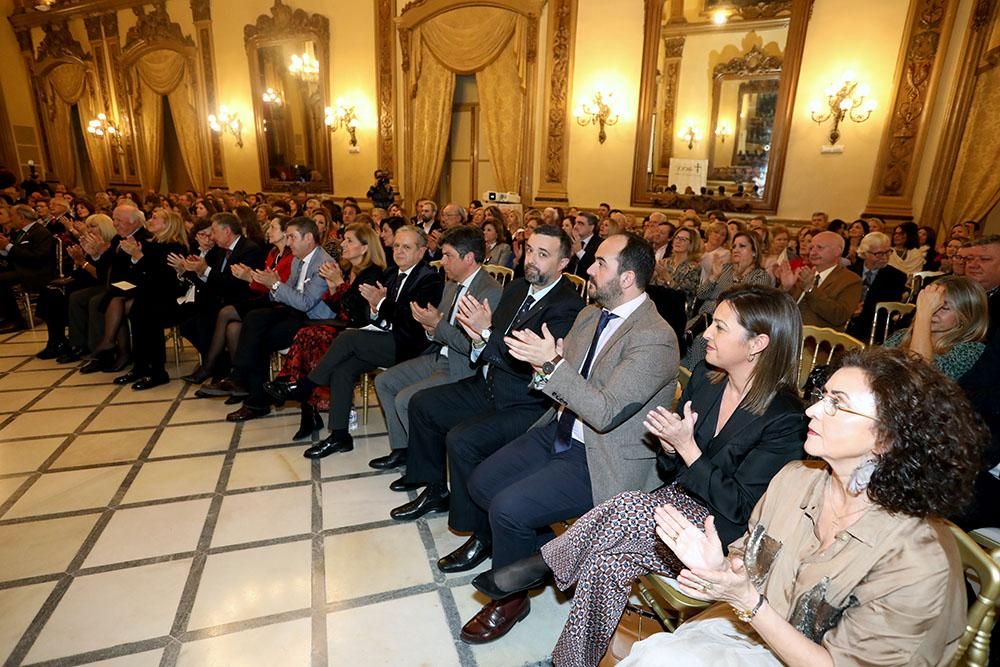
[{"x": 839, "y": 519}]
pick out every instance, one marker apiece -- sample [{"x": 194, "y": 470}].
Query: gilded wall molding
[
  {"x": 155, "y": 26},
  {"x": 201, "y": 13},
  {"x": 559, "y": 74},
  {"x": 285, "y": 22},
  {"x": 58, "y": 43},
  {"x": 385, "y": 84},
  {"x": 670, "y": 76},
  {"x": 917, "y": 74}
]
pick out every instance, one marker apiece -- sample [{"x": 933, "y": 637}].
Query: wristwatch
[
  {"x": 274, "y": 287},
  {"x": 485, "y": 334},
  {"x": 549, "y": 366},
  {"x": 747, "y": 615}
]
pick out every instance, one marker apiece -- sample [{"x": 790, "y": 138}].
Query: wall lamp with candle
[
  {"x": 691, "y": 134},
  {"x": 102, "y": 127},
  {"x": 599, "y": 111},
  {"x": 849, "y": 99},
  {"x": 345, "y": 115},
  {"x": 723, "y": 131},
  {"x": 227, "y": 121}
]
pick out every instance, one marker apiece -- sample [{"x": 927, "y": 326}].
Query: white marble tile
[
  {"x": 97, "y": 448},
  {"x": 26, "y": 455},
  {"x": 145, "y": 532},
  {"x": 355, "y": 501},
  {"x": 175, "y": 478},
  {"x": 31, "y": 379},
  {"x": 71, "y": 490},
  {"x": 194, "y": 439},
  {"x": 47, "y": 422},
  {"x": 267, "y": 467},
  {"x": 263, "y": 515},
  {"x": 18, "y": 607},
  {"x": 12, "y": 401},
  {"x": 144, "y": 659},
  {"x": 42, "y": 547},
  {"x": 288, "y": 643},
  {"x": 115, "y": 417},
  {"x": 356, "y": 461},
  {"x": 74, "y": 397},
  {"x": 363, "y": 563}
]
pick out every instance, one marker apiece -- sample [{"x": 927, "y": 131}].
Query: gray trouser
[
  {"x": 397, "y": 385},
  {"x": 86, "y": 321}
]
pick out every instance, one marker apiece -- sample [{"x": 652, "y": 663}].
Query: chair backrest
[
  {"x": 683, "y": 375},
  {"x": 436, "y": 265},
  {"x": 894, "y": 311},
  {"x": 974, "y": 645},
  {"x": 580, "y": 284},
  {"x": 821, "y": 345},
  {"x": 501, "y": 274},
  {"x": 59, "y": 257},
  {"x": 918, "y": 280}
]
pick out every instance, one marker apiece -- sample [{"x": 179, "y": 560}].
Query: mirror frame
[
  {"x": 798, "y": 21},
  {"x": 282, "y": 25}
]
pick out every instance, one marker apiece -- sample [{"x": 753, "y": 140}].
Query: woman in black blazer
[{"x": 737, "y": 424}]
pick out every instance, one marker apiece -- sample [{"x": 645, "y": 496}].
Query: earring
[
  {"x": 751, "y": 356},
  {"x": 862, "y": 476}
]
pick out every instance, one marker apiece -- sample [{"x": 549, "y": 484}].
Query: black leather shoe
[
  {"x": 232, "y": 400},
  {"x": 71, "y": 355},
  {"x": 332, "y": 444},
  {"x": 309, "y": 423},
  {"x": 287, "y": 391},
  {"x": 246, "y": 413},
  {"x": 92, "y": 366},
  {"x": 402, "y": 485},
  {"x": 486, "y": 584},
  {"x": 224, "y": 387},
  {"x": 466, "y": 557},
  {"x": 128, "y": 378},
  {"x": 431, "y": 499},
  {"x": 53, "y": 351},
  {"x": 199, "y": 375},
  {"x": 395, "y": 459},
  {"x": 150, "y": 381}
]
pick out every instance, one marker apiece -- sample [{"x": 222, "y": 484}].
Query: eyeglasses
[{"x": 831, "y": 405}]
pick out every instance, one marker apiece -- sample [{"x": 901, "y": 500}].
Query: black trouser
[
  {"x": 8, "y": 303},
  {"x": 53, "y": 307},
  {"x": 352, "y": 353},
  {"x": 265, "y": 330},
  {"x": 197, "y": 324},
  {"x": 149, "y": 317}
]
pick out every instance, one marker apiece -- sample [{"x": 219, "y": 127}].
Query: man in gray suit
[
  {"x": 462, "y": 251},
  {"x": 618, "y": 362}
]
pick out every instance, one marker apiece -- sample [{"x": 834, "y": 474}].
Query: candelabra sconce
[
  {"x": 271, "y": 96},
  {"x": 227, "y": 121},
  {"x": 344, "y": 116},
  {"x": 691, "y": 135},
  {"x": 851, "y": 100},
  {"x": 304, "y": 66},
  {"x": 723, "y": 131},
  {"x": 600, "y": 112},
  {"x": 103, "y": 127}
]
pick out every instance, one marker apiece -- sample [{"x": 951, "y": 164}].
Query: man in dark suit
[
  {"x": 620, "y": 362},
  {"x": 30, "y": 263},
  {"x": 479, "y": 415},
  {"x": 447, "y": 359},
  {"x": 394, "y": 336},
  {"x": 584, "y": 243},
  {"x": 827, "y": 293},
  {"x": 879, "y": 282}
]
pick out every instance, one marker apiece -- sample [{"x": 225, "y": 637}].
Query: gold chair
[
  {"x": 436, "y": 265},
  {"x": 974, "y": 646},
  {"x": 367, "y": 383},
  {"x": 894, "y": 311},
  {"x": 501, "y": 274},
  {"x": 816, "y": 338},
  {"x": 917, "y": 282},
  {"x": 580, "y": 284},
  {"x": 666, "y": 600}
]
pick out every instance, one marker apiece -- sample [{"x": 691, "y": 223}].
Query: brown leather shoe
[
  {"x": 246, "y": 413},
  {"x": 496, "y": 619}
]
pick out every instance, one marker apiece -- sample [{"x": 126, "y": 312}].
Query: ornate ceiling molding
[
  {"x": 285, "y": 22},
  {"x": 155, "y": 26},
  {"x": 751, "y": 63},
  {"x": 59, "y": 43},
  {"x": 763, "y": 9}
]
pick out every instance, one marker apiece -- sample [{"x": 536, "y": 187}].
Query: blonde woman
[
  {"x": 777, "y": 249},
  {"x": 681, "y": 269},
  {"x": 716, "y": 245}
]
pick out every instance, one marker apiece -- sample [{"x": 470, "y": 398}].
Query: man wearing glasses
[{"x": 879, "y": 282}]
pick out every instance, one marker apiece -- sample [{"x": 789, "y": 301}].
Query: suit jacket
[
  {"x": 453, "y": 336},
  {"x": 117, "y": 265},
  {"x": 508, "y": 380},
  {"x": 32, "y": 257},
  {"x": 423, "y": 286},
  {"x": 888, "y": 285},
  {"x": 579, "y": 265},
  {"x": 833, "y": 302},
  {"x": 221, "y": 285},
  {"x": 737, "y": 464},
  {"x": 634, "y": 372},
  {"x": 310, "y": 300}
]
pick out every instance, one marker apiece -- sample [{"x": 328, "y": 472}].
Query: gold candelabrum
[
  {"x": 304, "y": 66},
  {"x": 104, "y": 127},
  {"x": 344, "y": 116},
  {"x": 691, "y": 135},
  {"x": 600, "y": 112},
  {"x": 850, "y": 100},
  {"x": 723, "y": 131},
  {"x": 227, "y": 121}
]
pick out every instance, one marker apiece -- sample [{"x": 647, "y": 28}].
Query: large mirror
[
  {"x": 717, "y": 90},
  {"x": 289, "y": 70}
]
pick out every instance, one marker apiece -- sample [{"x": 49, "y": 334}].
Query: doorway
[
  {"x": 81, "y": 161},
  {"x": 467, "y": 171}
]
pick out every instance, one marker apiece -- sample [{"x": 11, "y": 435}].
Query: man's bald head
[{"x": 827, "y": 247}]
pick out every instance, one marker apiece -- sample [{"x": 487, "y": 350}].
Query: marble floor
[{"x": 140, "y": 528}]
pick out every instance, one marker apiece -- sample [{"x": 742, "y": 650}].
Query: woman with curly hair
[
  {"x": 845, "y": 560},
  {"x": 907, "y": 255}
]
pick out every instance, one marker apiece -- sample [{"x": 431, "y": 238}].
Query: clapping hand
[
  {"x": 719, "y": 260},
  {"x": 474, "y": 316},
  {"x": 131, "y": 247},
  {"x": 432, "y": 240},
  {"x": 332, "y": 274},
  {"x": 77, "y": 255},
  {"x": 241, "y": 271},
  {"x": 805, "y": 277},
  {"x": 176, "y": 262},
  {"x": 428, "y": 317},
  {"x": 676, "y": 434},
  {"x": 265, "y": 277},
  {"x": 526, "y": 345},
  {"x": 373, "y": 294},
  {"x": 196, "y": 264}
]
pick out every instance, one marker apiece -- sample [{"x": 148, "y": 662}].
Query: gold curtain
[
  {"x": 975, "y": 185},
  {"x": 489, "y": 42},
  {"x": 166, "y": 72},
  {"x": 69, "y": 85}
]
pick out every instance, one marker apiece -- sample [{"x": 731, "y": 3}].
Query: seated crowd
[{"x": 515, "y": 406}]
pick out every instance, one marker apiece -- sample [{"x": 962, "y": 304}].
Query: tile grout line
[{"x": 318, "y": 615}]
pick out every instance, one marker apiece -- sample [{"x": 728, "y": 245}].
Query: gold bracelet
[{"x": 748, "y": 615}]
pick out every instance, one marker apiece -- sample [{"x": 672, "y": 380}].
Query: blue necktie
[{"x": 564, "y": 430}]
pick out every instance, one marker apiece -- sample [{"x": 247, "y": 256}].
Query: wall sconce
[
  {"x": 271, "y": 96},
  {"x": 598, "y": 112},
  {"x": 723, "y": 131},
  {"x": 850, "y": 100},
  {"x": 227, "y": 121},
  {"x": 345, "y": 116},
  {"x": 103, "y": 127},
  {"x": 691, "y": 134},
  {"x": 304, "y": 66}
]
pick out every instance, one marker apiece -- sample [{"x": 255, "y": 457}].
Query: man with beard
[{"x": 480, "y": 414}]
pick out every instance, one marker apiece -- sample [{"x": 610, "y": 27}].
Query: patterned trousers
[{"x": 604, "y": 553}]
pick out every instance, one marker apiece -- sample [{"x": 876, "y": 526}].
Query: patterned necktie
[
  {"x": 225, "y": 260},
  {"x": 522, "y": 313},
  {"x": 398, "y": 286},
  {"x": 564, "y": 430}
]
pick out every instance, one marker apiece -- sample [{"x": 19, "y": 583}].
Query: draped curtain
[
  {"x": 69, "y": 85},
  {"x": 489, "y": 42},
  {"x": 167, "y": 73}
]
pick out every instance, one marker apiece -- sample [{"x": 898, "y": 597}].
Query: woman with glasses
[
  {"x": 681, "y": 269},
  {"x": 949, "y": 325},
  {"x": 844, "y": 560},
  {"x": 736, "y": 425}
]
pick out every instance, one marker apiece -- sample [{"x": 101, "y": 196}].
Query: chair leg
[
  {"x": 175, "y": 333},
  {"x": 365, "y": 381},
  {"x": 27, "y": 310}
]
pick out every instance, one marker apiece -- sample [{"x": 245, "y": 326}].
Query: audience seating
[
  {"x": 815, "y": 338},
  {"x": 436, "y": 264},
  {"x": 973, "y": 647},
  {"x": 581, "y": 285},
  {"x": 501, "y": 274},
  {"x": 894, "y": 312},
  {"x": 919, "y": 279}
]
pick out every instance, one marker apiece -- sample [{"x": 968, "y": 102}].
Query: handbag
[{"x": 635, "y": 625}]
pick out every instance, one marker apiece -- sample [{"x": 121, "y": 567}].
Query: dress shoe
[
  {"x": 246, "y": 413},
  {"x": 118, "y": 365},
  {"x": 232, "y": 400},
  {"x": 517, "y": 577},
  {"x": 395, "y": 459},
  {"x": 331, "y": 444},
  {"x": 432, "y": 499},
  {"x": 92, "y": 366},
  {"x": 198, "y": 376},
  {"x": 309, "y": 423},
  {"x": 466, "y": 557},
  {"x": 402, "y": 485},
  {"x": 150, "y": 381},
  {"x": 495, "y": 620},
  {"x": 287, "y": 391},
  {"x": 53, "y": 350},
  {"x": 128, "y": 378},
  {"x": 224, "y": 387},
  {"x": 70, "y": 356}
]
